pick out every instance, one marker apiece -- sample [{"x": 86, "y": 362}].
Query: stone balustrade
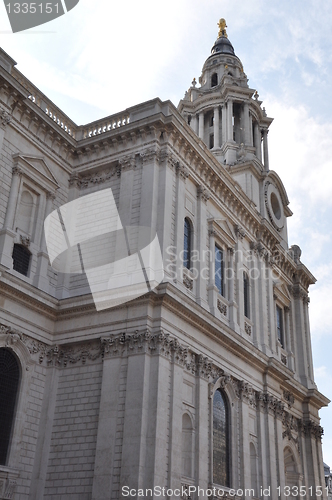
[
  {"x": 101, "y": 126},
  {"x": 46, "y": 104}
]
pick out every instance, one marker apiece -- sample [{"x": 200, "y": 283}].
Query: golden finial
[{"x": 222, "y": 28}]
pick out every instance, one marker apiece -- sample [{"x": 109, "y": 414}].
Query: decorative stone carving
[
  {"x": 100, "y": 177},
  {"x": 239, "y": 231},
  {"x": 182, "y": 171},
  {"x": 17, "y": 170},
  {"x": 5, "y": 118},
  {"x": 149, "y": 155},
  {"x": 284, "y": 359},
  {"x": 270, "y": 403},
  {"x": 222, "y": 307},
  {"x": 25, "y": 241},
  {"x": 292, "y": 429},
  {"x": 247, "y": 328},
  {"x": 203, "y": 194},
  {"x": 188, "y": 282},
  {"x": 296, "y": 252},
  {"x": 289, "y": 398},
  {"x": 75, "y": 181},
  {"x": 127, "y": 163},
  {"x": 57, "y": 356}
]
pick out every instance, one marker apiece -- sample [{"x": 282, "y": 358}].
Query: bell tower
[
  {"x": 229, "y": 118},
  {"x": 224, "y": 112}
]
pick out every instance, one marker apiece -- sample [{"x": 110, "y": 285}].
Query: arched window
[
  {"x": 253, "y": 469},
  {"x": 187, "y": 446},
  {"x": 246, "y": 298},
  {"x": 9, "y": 381},
  {"x": 214, "y": 80},
  {"x": 292, "y": 475},
  {"x": 187, "y": 244},
  {"x": 21, "y": 259},
  {"x": 220, "y": 439}
]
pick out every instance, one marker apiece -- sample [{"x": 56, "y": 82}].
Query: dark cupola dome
[{"x": 222, "y": 44}]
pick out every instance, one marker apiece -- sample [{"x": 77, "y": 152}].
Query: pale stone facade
[{"x": 124, "y": 396}]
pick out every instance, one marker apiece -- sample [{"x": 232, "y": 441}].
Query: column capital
[
  {"x": 203, "y": 193},
  {"x": 75, "y": 181},
  {"x": 182, "y": 171},
  {"x": 17, "y": 170}
]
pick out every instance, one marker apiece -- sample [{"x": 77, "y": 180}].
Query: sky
[{"x": 103, "y": 57}]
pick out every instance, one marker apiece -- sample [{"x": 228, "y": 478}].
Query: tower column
[
  {"x": 193, "y": 123},
  {"x": 230, "y": 120},
  {"x": 257, "y": 140},
  {"x": 216, "y": 127},
  {"x": 223, "y": 124},
  {"x": 201, "y": 125},
  {"x": 265, "y": 149},
  {"x": 246, "y": 124}
]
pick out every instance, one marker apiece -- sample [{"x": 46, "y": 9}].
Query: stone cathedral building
[{"x": 205, "y": 381}]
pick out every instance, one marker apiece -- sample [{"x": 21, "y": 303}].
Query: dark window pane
[
  {"x": 246, "y": 295},
  {"x": 220, "y": 440},
  {"x": 280, "y": 331},
  {"x": 187, "y": 244},
  {"x": 219, "y": 270},
  {"x": 9, "y": 379},
  {"x": 21, "y": 259}
]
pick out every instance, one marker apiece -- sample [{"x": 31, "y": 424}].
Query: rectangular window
[
  {"x": 219, "y": 270},
  {"x": 280, "y": 327},
  {"x": 211, "y": 141},
  {"x": 246, "y": 295}
]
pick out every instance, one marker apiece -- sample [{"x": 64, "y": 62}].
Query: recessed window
[
  {"x": 280, "y": 326},
  {"x": 9, "y": 382},
  {"x": 219, "y": 270},
  {"x": 220, "y": 439},
  {"x": 246, "y": 295},
  {"x": 187, "y": 244},
  {"x": 21, "y": 259},
  {"x": 211, "y": 145},
  {"x": 214, "y": 80}
]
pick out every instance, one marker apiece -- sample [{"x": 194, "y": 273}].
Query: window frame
[
  {"x": 280, "y": 318},
  {"x": 222, "y": 289},
  {"x": 227, "y": 440},
  {"x": 246, "y": 295},
  {"x": 187, "y": 253},
  {"x": 15, "y": 406}
]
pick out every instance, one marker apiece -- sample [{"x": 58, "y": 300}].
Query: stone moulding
[{"x": 163, "y": 344}]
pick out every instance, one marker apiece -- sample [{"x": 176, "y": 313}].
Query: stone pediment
[
  {"x": 282, "y": 293},
  {"x": 36, "y": 169},
  {"x": 224, "y": 230}
]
